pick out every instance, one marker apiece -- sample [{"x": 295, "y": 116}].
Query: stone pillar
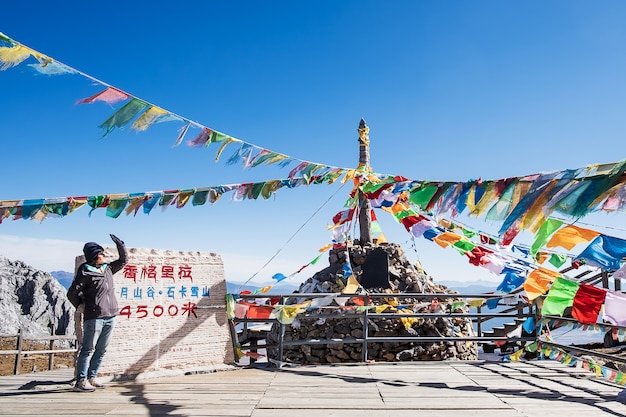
[{"x": 364, "y": 165}]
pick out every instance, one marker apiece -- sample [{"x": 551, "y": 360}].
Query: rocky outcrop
[
  {"x": 32, "y": 301},
  {"x": 398, "y": 276}
]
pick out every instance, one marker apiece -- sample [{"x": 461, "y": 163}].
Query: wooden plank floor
[{"x": 486, "y": 389}]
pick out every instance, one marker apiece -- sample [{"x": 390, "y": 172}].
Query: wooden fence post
[
  {"x": 51, "y": 347},
  {"x": 18, "y": 357}
]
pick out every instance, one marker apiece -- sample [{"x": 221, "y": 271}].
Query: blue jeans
[{"x": 96, "y": 338}]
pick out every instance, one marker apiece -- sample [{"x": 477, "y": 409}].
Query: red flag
[
  {"x": 587, "y": 303},
  {"x": 110, "y": 96},
  {"x": 343, "y": 216}
]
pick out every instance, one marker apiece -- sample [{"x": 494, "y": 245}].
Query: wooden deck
[{"x": 486, "y": 389}]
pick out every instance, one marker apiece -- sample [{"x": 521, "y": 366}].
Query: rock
[
  {"x": 404, "y": 279},
  {"x": 32, "y": 301}
]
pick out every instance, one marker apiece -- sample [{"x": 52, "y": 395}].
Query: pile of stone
[{"x": 346, "y": 324}]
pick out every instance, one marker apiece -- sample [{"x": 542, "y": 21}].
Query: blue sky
[{"x": 451, "y": 90}]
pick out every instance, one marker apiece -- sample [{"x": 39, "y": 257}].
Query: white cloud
[
  {"x": 58, "y": 255},
  {"x": 241, "y": 268},
  {"x": 44, "y": 254}
]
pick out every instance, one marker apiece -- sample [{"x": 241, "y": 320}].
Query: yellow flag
[
  {"x": 240, "y": 353},
  {"x": 224, "y": 145},
  {"x": 148, "y": 118},
  {"x": 486, "y": 200},
  {"x": 409, "y": 321},
  {"x": 39, "y": 215},
  {"x": 393, "y": 302},
  {"x": 325, "y": 248},
  {"x": 476, "y": 303},
  {"x": 381, "y": 308},
  {"x": 349, "y": 175},
  {"x": 135, "y": 203},
  {"x": 287, "y": 314},
  {"x": 567, "y": 359},
  {"x": 517, "y": 355},
  {"x": 75, "y": 204},
  {"x": 13, "y": 56},
  {"x": 352, "y": 286}
]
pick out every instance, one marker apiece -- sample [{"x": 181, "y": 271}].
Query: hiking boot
[
  {"x": 95, "y": 383},
  {"x": 83, "y": 386}
]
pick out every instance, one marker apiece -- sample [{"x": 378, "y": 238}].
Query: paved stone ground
[{"x": 487, "y": 389}]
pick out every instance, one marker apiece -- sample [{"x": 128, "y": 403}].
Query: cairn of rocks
[{"x": 342, "y": 324}]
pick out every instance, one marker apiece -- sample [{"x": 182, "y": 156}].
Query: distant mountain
[
  {"x": 470, "y": 287},
  {"x": 65, "y": 278},
  {"x": 280, "y": 288}
]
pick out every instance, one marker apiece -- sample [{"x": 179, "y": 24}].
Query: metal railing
[{"x": 478, "y": 318}]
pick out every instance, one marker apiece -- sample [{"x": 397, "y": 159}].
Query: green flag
[
  {"x": 124, "y": 115},
  {"x": 422, "y": 195},
  {"x": 463, "y": 246},
  {"x": 560, "y": 296},
  {"x": 116, "y": 207},
  {"x": 545, "y": 231},
  {"x": 557, "y": 259}
]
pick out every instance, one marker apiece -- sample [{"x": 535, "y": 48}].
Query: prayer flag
[
  {"x": 314, "y": 261},
  {"x": 587, "y": 303},
  {"x": 181, "y": 135},
  {"x": 557, "y": 259},
  {"x": 13, "y": 56},
  {"x": 110, "y": 96},
  {"x": 116, "y": 206},
  {"x": 538, "y": 282},
  {"x": 529, "y": 325},
  {"x": 52, "y": 68},
  {"x": 493, "y": 263},
  {"x": 477, "y": 254},
  {"x": 124, "y": 115},
  {"x": 620, "y": 273},
  {"x": 352, "y": 286},
  {"x": 560, "y": 296},
  {"x": 150, "y": 117},
  {"x": 545, "y": 231},
  {"x": 570, "y": 236},
  {"x": 614, "y": 311},
  {"x": 605, "y": 252},
  {"x": 343, "y": 216},
  {"x": 511, "y": 281},
  {"x": 422, "y": 195},
  {"x": 446, "y": 239}
]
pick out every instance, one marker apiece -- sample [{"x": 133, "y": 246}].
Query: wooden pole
[
  {"x": 51, "y": 348},
  {"x": 364, "y": 164},
  {"x": 18, "y": 357}
]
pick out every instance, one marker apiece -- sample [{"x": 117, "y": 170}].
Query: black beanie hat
[{"x": 91, "y": 251}]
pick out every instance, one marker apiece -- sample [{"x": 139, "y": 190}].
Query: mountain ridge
[{"x": 32, "y": 301}]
